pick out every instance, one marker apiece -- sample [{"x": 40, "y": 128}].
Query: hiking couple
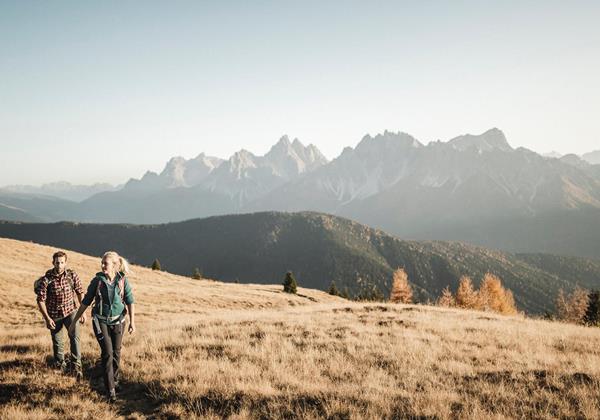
[{"x": 113, "y": 301}]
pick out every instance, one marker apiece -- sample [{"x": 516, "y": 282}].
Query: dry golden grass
[{"x": 211, "y": 350}]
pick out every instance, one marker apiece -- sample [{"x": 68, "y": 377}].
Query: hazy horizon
[{"x": 86, "y": 87}]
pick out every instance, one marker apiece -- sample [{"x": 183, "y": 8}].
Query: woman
[{"x": 111, "y": 291}]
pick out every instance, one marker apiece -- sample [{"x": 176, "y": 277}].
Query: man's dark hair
[{"x": 59, "y": 254}]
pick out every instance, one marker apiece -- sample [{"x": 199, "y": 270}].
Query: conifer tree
[
  {"x": 572, "y": 307},
  {"x": 333, "y": 290},
  {"x": 446, "y": 299},
  {"x": 592, "y": 314},
  {"x": 466, "y": 296},
  {"x": 401, "y": 291},
  {"x": 493, "y": 297},
  {"x": 289, "y": 284},
  {"x": 370, "y": 292},
  {"x": 560, "y": 303},
  {"x": 156, "y": 265},
  {"x": 197, "y": 274}
]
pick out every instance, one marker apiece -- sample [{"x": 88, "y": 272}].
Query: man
[{"x": 56, "y": 292}]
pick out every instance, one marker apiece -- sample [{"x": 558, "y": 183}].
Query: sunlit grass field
[{"x": 206, "y": 349}]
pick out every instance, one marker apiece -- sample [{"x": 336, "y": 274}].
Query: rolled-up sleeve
[
  {"x": 91, "y": 292},
  {"x": 128, "y": 293},
  {"x": 42, "y": 290}
]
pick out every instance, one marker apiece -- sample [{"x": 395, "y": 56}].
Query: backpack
[{"x": 38, "y": 283}]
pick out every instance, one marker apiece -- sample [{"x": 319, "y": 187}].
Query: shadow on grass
[
  {"x": 17, "y": 348},
  {"x": 286, "y": 406},
  {"x": 133, "y": 397}
]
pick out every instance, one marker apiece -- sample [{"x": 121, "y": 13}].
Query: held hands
[{"x": 82, "y": 319}]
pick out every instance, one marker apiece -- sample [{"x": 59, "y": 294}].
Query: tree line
[{"x": 579, "y": 307}]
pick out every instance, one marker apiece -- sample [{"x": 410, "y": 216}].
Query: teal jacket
[{"x": 112, "y": 306}]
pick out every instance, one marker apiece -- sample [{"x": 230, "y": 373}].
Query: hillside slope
[
  {"x": 318, "y": 248},
  {"x": 205, "y": 349}
]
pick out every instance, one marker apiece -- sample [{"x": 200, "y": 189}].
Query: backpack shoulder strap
[
  {"x": 69, "y": 275},
  {"x": 98, "y": 297},
  {"x": 121, "y": 284}
]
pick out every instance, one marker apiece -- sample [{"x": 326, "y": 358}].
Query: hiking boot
[
  {"x": 78, "y": 372},
  {"x": 60, "y": 365}
]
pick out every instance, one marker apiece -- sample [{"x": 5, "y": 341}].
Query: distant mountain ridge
[
  {"x": 472, "y": 187},
  {"x": 178, "y": 172},
  {"x": 318, "y": 248},
  {"x": 61, "y": 189},
  {"x": 592, "y": 157}
]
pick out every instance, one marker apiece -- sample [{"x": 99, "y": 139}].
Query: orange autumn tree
[
  {"x": 447, "y": 299},
  {"x": 572, "y": 307},
  {"x": 401, "y": 291},
  {"x": 493, "y": 297},
  {"x": 466, "y": 295}
]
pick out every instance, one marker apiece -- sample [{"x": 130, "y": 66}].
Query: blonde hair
[{"x": 123, "y": 264}]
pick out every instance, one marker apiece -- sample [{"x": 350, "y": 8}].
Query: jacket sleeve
[
  {"x": 128, "y": 293},
  {"x": 91, "y": 292}
]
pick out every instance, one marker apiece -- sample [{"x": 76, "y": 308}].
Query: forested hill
[{"x": 319, "y": 249}]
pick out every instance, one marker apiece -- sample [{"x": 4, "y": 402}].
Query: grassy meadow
[{"x": 205, "y": 349}]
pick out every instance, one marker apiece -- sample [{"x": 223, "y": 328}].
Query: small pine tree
[
  {"x": 197, "y": 274},
  {"x": 508, "y": 307},
  {"x": 572, "y": 307},
  {"x": 493, "y": 297},
  {"x": 333, "y": 290},
  {"x": 560, "y": 303},
  {"x": 289, "y": 284},
  {"x": 592, "y": 314},
  {"x": 156, "y": 265},
  {"x": 370, "y": 292},
  {"x": 401, "y": 291},
  {"x": 446, "y": 300},
  {"x": 466, "y": 295}
]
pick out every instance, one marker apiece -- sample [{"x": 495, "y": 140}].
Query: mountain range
[
  {"x": 473, "y": 188},
  {"x": 62, "y": 189},
  {"x": 319, "y": 249}
]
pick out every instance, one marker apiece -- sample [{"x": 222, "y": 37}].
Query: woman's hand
[{"x": 131, "y": 328}]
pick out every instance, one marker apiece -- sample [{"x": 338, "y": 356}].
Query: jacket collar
[
  {"x": 103, "y": 277},
  {"x": 51, "y": 274}
]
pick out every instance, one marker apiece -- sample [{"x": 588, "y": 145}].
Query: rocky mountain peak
[
  {"x": 388, "y": 141},
  {"x": 493, "y": 139},
  {"x": 242, "y": 159}
]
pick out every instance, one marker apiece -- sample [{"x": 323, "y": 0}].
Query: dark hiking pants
[
  {"x": 58, "y": 340},
  {"x": 110, "y": 345}
]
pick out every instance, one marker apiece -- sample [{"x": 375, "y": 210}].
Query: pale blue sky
[{"x": 103, "y": 91}]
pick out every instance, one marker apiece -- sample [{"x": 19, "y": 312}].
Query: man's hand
[
  {"x": 50, "y": 324},
  {"x": 82, "y": 319},
  {"x": 131, "y": 328}
]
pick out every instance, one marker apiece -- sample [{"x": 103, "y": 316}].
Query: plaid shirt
[{"x": 57, "y": 292}]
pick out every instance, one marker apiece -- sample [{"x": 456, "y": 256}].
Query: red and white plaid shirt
[{"x": 58, "y": 294}]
